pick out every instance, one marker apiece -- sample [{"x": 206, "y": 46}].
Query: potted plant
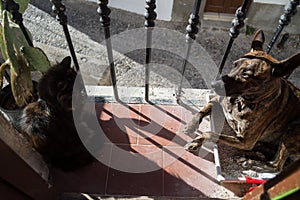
[{"x": 20, "y": 59}]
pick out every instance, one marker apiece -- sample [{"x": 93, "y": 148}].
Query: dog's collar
[{"x": 261, "y": 55}]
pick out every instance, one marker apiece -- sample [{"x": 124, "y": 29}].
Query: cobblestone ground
[{"x": 213, "y": 38}]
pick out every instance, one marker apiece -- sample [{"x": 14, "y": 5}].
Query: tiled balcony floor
[{"x": 143, "y": 155}]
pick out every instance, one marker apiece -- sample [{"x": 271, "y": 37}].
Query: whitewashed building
[{"x": 261, "y": 14}]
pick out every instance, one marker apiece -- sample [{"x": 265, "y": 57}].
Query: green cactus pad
[
  {"x": 2, "y": 41},
  {"x": 36, "y": 58},
  {"x": 21, "y": 85},
  {"x": 23, "y": 5},
  {"x": 9, "y": 46}
]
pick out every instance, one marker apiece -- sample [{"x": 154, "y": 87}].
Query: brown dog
[{"x": 260, "y": 107}]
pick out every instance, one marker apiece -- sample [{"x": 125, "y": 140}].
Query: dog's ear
[
  {"x": 287, "y": 66},
  {"x": 66, "y": 62},
  {"x": 258, "y": 41}
]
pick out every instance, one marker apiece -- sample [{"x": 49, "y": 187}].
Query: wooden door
[{"x": 222, "y": 6}]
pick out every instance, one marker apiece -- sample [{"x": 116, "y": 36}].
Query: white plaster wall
[
  {"x": 163, "y": 7},
  {"x": 279, "y": 2}
]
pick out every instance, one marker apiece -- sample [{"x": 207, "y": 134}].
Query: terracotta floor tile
[
  {"x": 136, "y": 158},
  {"x": 144, "y": 184},
  {"x": 135, "y": 170},
  {"x": 119, "y": 122},
  {"x": 188, "y": 175},
  {"x": 91, "y": 178},
  {"x": 145, "y": 156},
  {"x": 162, "y": 125}
]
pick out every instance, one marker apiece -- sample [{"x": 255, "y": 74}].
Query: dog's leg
[
  {"x": 193, "y": 125},
  {"x": 289, "y": 147},
  {"x": 226, "y": 137},
  {"x": 271, "y": 166},
  {"x": 211, "y": 136},
  {"x": 280, "y": 158}
]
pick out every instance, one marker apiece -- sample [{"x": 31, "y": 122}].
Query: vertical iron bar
[
  {"x": 59, "y": 9},
  {"x": 289, "y": 11},
  {"x": 237, "y": 24},
  {"x": 150, "y": 16},
  {"x": 191, "y": 31},
  {"x": 13, "y": 8},
  {"x": 148, "y": 59},
  {"x": 104, "y": 12}
]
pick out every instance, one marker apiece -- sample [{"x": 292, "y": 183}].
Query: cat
[{"x": 48, "y": 123}]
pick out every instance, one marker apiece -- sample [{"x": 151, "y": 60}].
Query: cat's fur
[{"x": 48, "y": 123}]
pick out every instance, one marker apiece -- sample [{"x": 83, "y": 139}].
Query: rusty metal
[
  {"x": 284, "y": 20},
  {"x": 191, "y": 31},
  {"x": 59, "y": 9},
  {"x": 104, "y": 13},
  {"x": 237, "y": 24},
  {"x": 150, "y": 16},
  {"x": 287, "y": 182}
]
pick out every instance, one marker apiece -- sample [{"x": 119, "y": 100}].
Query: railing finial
[
  {"x": 289, "y": 11},
  {"x": 191, "y": 31},
  {"x": 237, "y": 24},
  {"x": 13, "y": 8},
  {"x": 59, "y": 9}
]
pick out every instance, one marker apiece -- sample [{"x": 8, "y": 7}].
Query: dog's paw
[
  {"x": 192, "y": 146},
  {"x": 258, "y": 166}
]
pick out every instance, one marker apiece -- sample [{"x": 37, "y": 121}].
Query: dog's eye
[{"x": 247, "y": 73}]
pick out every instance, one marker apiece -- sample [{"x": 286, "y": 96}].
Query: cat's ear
[{"x": 66, "y": 62}]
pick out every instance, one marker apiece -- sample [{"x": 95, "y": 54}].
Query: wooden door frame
[{"x": 202, "y": 7}]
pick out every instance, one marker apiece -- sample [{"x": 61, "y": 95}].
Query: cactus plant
[{"x": 20, "y": 58}]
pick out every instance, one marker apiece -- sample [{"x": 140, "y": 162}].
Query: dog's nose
[{"x": 217, "y": 84}]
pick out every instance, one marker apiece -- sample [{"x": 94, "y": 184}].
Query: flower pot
[{"x": 8, "y": 105}]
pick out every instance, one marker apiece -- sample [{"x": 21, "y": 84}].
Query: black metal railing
[
  {"x": 191, "y": 31},
  {"x": 237, "y": 24},
  {"x": 59, "y": 9},
  {"x": 13, "y": 8},
  {"x": 104, "y": 12},
  {"x": 284, "y": 20},
  {"x": 150, "y": 16}
]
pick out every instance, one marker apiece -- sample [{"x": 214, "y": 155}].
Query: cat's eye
[{"x": 60, "y": 85}]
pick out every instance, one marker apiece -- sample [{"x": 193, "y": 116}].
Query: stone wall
[{"x": 266, "y": 16}]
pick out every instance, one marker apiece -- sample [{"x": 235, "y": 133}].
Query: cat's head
[{"x": 56, "y": 85}]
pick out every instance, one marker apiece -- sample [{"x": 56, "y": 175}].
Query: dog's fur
[{"x": 260, "y": 107}]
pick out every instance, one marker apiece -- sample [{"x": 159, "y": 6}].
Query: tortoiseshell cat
[{"x": 49, "y": 124}]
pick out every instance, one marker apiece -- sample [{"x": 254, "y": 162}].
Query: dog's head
[{"x": 256, "y": 72}]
